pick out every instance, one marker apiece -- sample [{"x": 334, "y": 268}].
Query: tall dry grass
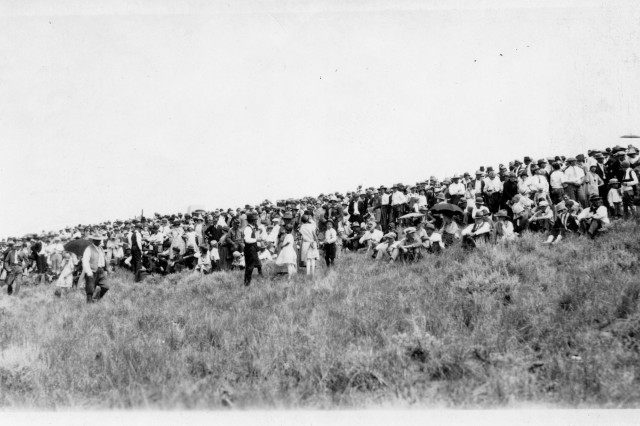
[{"x": 501, "y": 326}]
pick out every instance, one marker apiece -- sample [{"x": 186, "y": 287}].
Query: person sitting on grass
[
  {"x": 542, "y": 217},
  {"x": 521, "y": 208},
  {"x": 408, "y": 247},
  {"x": 384, "y": 250},
  {"x": 204, "y": 260},
  {"x": 504, "y": 227},
  {"x": 238, "y": 261},
  {"x": 371, "y": 237},
  {"x": 479, "y": 230},
  {"x": 594, "y": 218},
  {"x": 433, "y": 242},
  {"x": 565, "y": 222}
]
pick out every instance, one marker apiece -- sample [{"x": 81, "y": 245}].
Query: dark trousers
[
  {"x": 493, "y": 202},
  {"x": 14, "y": 280},
  {"x": 330, "y": 253},
  {"x": 385, "y": 213},
  {"x": 396, "y": 212},
  {"x": 136, "y": 260},
  {"x": 98, "y": 279},
  {"x": 556, "y": 195},
  {"x": 591, "y": 226},
  {"x": 251, "y": 261}
]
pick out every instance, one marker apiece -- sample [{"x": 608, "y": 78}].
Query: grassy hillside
[{"x": 504, "y": 325}]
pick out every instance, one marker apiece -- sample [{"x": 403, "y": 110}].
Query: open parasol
[
  {"x": 411, "y": 215},
  {"x": 77, "y": 247},
  {"x": 446, "y": 209}
]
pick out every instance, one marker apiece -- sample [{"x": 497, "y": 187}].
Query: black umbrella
[
  {"x": 446, "y": 209},
  {"x": 77, "y": 246}
]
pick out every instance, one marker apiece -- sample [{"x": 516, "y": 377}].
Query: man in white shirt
[
  {"x": 398, "y": 202},
  {"x": 593, "y": 218},
  {"x": 372, "y": 237},
  {"x": 493, "y": 190},
  {"x": 251, "y": 236},
  {"x": 629, "y": 185},
  {"x": 480, "y": 229},
  {"x": 94, "y": 268},
  {"x": 456, "y": 189},
  {"x": 575, "y": 177},
  {"x": 538, "y": 184},
  {"x": 556, "y": 182}
]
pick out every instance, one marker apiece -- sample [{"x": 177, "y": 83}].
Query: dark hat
[
  {"x": 479, "y": 200},
  {"x": 534, "y": 167},
  {"x": 502, "y": 213},
  {"x": 598, "y": 155},
  {"x": 479, "y": 214},
  {"x": 527, "y": 158},
  {"x": 489, "y": 169},
  {"x": 595, "y": 198},
  {"x": 580, "y": 157},
  {"x": 542, "y": 161}
]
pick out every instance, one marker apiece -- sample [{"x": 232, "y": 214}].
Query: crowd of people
[{"x": 554, "y": 196}]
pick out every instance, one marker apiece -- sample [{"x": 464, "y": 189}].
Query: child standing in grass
[
  {"x": 614, "y": 198},
  {"x": 287, "y": 254},
  {"x": 309, "y": 250},
  {"x": 330, "y": 244}
]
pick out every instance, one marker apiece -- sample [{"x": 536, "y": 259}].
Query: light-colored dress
[
  {"x": 65, "y": 279},
  {"x": 287, "y": 255},
  {"x": 308, "y": 233}
]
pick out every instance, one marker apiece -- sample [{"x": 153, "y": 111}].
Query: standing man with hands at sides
[
  {"x": 94, "y": 268},
  {"x": 251, "y": 259},
  {"x": 13, "y": 262},
  {"x": 135, "y": 242}
]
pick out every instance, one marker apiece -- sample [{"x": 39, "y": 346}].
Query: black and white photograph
[{"x": 319, "y": 212}]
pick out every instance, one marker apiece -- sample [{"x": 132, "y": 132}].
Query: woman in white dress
[{"x": 287, "y": 254}]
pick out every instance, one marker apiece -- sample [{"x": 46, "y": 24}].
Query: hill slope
[{"x": 503, "y": 325}]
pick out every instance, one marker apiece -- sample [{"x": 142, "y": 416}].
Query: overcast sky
[{"x": 109, "y": 109}]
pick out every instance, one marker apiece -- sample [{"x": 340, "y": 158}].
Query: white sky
[{"x": 109, "y": 109}]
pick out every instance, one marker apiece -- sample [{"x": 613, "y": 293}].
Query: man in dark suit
[
  {"x": 509, "y": 190},
  {"x": 135, "y": 242},
  {"x": 357, "y": 208},
  {"x": 613, "y": 165},
  {"x": 335, "y": 211},
  {"x": 14, "y": 261},
  {"x": 601, "y": 170}
]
